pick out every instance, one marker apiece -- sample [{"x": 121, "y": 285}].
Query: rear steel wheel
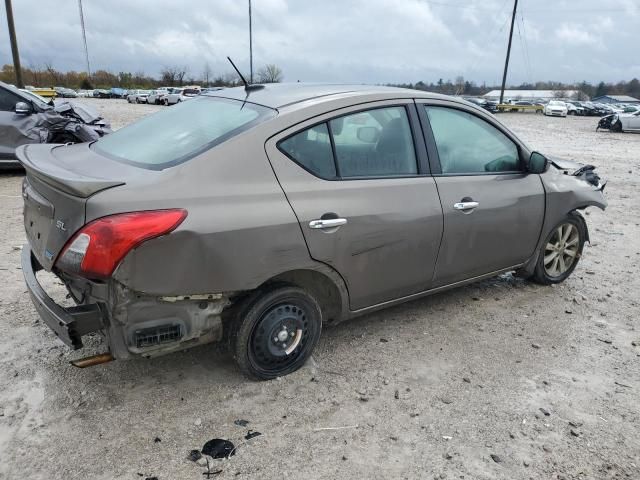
[
  {"x": 276, "y": 332},
  {"x": 561, "y": 251}
]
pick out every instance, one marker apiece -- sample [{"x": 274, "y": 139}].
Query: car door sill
[{"x": 415, "y": 296}]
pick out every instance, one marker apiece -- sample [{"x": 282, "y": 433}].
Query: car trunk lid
[{"x": 58, "y": 182}]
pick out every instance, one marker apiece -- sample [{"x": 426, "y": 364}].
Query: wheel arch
[
  {"x": 528, "y": 268},
  {"x": 326, "y": 286}
]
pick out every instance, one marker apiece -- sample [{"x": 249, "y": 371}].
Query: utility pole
[
  {"x": 14, "y": 44},
  {"x": 506, "y": 62},
  {"x": 250, "y": 47},
  {"x": 84, "y": 39}
]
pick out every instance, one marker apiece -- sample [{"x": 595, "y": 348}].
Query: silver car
[
  {"x": 27, "y": 118},
  {"x": 626, "y": 122},
  {"x": 260, "y": 215}
]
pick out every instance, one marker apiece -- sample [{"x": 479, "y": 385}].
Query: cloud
[
  {"x": 372, "y": 41},
  {"x": 575, "y": 35}
]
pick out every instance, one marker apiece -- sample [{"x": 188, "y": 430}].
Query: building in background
[
  {"x": 616, "y": 99},
  {"x": 530, "y": 95}
]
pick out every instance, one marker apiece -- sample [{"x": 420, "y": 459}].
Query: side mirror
[
  {"x": 368, "y": 134},
  {"x": 538, "y": 163},
  {"x": 23, "y": 108}
]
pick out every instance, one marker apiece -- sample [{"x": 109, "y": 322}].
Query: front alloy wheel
[{"x": 561, "y": 251}]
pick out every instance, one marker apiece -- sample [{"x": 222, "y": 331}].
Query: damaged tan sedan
[{"x": 259, "y": 215}]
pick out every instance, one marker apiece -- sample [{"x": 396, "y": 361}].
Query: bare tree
[
  {"x": 173, "y": 75},
  {"x": 53, "y": 73},
  {"x": 270, "y": 73},
  {"x": 459, "y": 84},
  {"x": 206, "y": 74},
  {"x": 580, "y": 96}
]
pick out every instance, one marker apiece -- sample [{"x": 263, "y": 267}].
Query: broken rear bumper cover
[
  {"x": 69, "y": 324},
  {"x": 133, "y": 323}
]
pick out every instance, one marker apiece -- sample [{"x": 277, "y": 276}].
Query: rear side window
[
  {"x": 181, "y": 132},
  {"x": 311, "y": 148},
  {"x": 373, "y": 143},
  {"x": 468, "y": 144}
]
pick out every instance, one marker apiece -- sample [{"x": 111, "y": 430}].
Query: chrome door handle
[
  {"x": 328, "y": 223},
  {"x": 465, "y": 205}
]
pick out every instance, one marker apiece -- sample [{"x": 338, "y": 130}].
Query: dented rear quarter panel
[{"x": 239, "y": 231}]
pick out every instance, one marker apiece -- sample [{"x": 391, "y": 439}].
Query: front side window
[
  {"x": 177, "y": 134},
  {"x": 468, "y": 144},
  {"x": 374, "y": 143},
  {"x": 8, "y": 100}
]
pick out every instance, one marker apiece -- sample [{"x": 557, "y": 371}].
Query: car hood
[
  {"x": 563, "y": 164},
  {"x": 86, "y": 113}
]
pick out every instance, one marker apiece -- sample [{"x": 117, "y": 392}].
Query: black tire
[
  {"x": 64, "y": 138},
  {"x": 262, "y": 336},
  {"x": 137, "y": 100},
  {"x": 546, "y": 275},
  {"x": 617, "y": 127}
]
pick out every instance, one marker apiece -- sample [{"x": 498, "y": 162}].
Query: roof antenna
[{"x": 247, "y": 86}]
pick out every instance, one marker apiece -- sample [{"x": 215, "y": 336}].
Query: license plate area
[{"x": 38, "y": 217}]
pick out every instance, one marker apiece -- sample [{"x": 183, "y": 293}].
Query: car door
[
  {"x": 13, "y": 127},
  {"x": 359, "y": 185},
  {"x": 493, "y": 209},
  {"x": 634, "y": 121}
]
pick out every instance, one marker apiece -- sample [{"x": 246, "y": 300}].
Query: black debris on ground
[
  {"x": 241, "y": 423},
  {"x": 194, "y": 455},
  {"x": 251, "y": 434},
  {"x": 219, "y": 448}
]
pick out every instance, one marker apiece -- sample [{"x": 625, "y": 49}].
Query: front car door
[
  {"x": 358, "y": 181},
  {"x": 13, "y": 128},
  {"x": 493, "y": 209}
]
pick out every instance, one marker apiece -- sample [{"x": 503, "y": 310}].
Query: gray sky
[{"x": 369, "y": 41}]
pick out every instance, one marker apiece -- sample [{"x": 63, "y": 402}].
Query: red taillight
[{"x": 97, "y": 248}]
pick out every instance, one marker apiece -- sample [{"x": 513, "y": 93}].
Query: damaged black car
[{"x": 27, "y": 118}]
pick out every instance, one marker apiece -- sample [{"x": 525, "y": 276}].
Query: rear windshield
[{"x": 181, "y": 132}]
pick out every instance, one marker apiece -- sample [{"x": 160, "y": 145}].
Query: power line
[
  {"x": 84, "y": 38},
  {"x": 525, "y": 57},
  {"x": 526, "y": 46}
]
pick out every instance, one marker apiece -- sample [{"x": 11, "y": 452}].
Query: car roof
[{"x": 279, "y": 95}]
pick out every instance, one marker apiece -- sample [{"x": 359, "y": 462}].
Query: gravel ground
[{"x": 501, "y": 379}]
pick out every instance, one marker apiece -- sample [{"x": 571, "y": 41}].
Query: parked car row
[
  {"x": 167, "y": 95},
  {"x": 489, "y": 105}
]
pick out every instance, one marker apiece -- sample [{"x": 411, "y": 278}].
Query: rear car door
[
  {"x": 358, "y": 181},
  {"x": 493, "y": 209}
]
